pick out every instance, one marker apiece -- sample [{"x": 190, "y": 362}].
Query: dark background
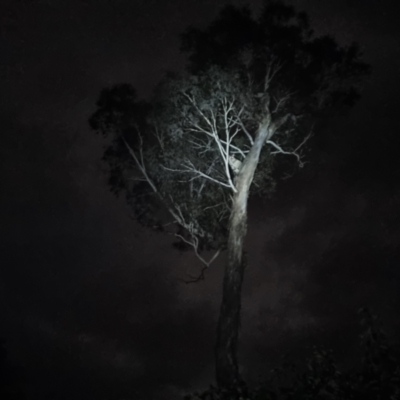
[{"x": 91, "y": 305}]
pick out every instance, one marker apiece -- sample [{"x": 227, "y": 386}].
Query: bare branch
[
  {"x": 196, "y": 279},
  {"x": 191, "y": 99},
  {"x": 294, "y": 152},
  {"x": 190, "y": 168},
  {"x": 225, "y": 147},
  {"x": 247, "y": 133},
  {"x": 281, "y": 102},
  {"x": 140, "y": 165},
  {"x": 195, "y": 245},
  {"x": 159, "y": 137},
  {"x": 272, "y": 69},
  {"x": 178, "y": 216},
  {"x": 303, "y": 142}
]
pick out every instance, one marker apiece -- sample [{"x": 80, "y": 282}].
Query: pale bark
[{"x": 227, "y": 370}]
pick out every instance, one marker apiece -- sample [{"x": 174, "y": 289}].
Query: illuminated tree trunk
[
  {"x": 227, "y": 369},
  {"x": 227, "y": 372}
]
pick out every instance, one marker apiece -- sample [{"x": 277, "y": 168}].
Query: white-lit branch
[
  {"x": 140, "y": 165},
  {"x": 294, "y": 152},
  {"x": 190, "y": 168},
  {"x": 225, "y": 147},
  {"x": 272, "y": 69},
  {"x": 281, "y": 102},
  {"x": 195, "y": 244},
  {"x": 178, "y": 217}
]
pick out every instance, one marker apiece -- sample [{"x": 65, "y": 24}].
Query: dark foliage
[{"x": 311, "y": 66}]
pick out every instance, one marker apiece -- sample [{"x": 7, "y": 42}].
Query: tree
[{"x": 245, "y": 109}]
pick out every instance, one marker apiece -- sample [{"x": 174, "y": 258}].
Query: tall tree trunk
[
  {"x": 227, "y": 369},
  {"x": 227, "y": 372}
]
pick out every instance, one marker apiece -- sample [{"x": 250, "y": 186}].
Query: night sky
[{"x": 93, "y": 306}]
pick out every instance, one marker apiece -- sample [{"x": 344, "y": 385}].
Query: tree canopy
[{"x": 174, "y": 148}]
